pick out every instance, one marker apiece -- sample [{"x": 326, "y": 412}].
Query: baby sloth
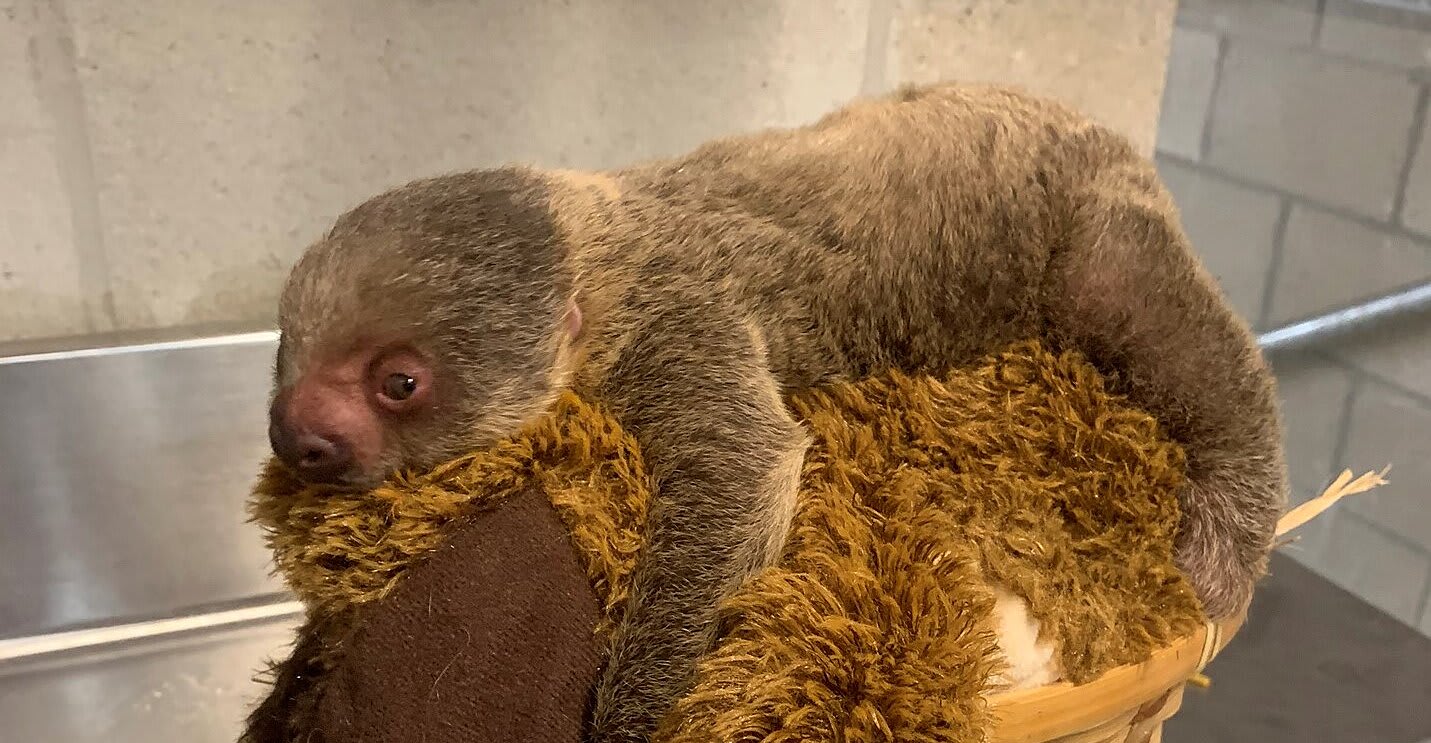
[{"x": 915, "y": 231}]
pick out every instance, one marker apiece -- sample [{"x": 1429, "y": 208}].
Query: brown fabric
[
  {"x": 289, "y": 711},
  {"x": 490, "y": 641},
  {"x": 917, "y": 496}
]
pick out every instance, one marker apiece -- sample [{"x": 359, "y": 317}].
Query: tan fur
[{"x": 913, "y": 232}]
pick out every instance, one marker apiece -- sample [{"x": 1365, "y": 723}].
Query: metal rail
[
  {"x": 1406, "y": 301},
  {"x": 59, "y": 642}
]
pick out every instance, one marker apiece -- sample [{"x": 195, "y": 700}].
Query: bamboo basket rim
[{"x": 1060, "y": 709}]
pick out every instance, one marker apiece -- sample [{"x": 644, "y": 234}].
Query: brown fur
[
  {"x": 918, "y": 497},
  {"x": 912, "y": 232}
]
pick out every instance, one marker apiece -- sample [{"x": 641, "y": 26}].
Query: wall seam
[
  {"x": 1274, "y": 262},
  {"x": 1403, "y": 178},
  {"x": 877, "y": 40},
  {"x": 1392, "y": 229},
  {"x": 53, "y": 63},
  {"x": 1205, "y": 141}
]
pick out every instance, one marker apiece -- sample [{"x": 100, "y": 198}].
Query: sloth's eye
[{"x": 399, "y": 387}]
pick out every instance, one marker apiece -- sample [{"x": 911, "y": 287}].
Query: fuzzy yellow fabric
[{"x": 918, "y": 496}]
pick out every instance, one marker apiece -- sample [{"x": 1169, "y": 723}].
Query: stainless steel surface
[
  {"x": 123, "y": 475},
  {"x": 194, "y": 688},
  {"x": 1396, "y": 305},
  {"x": 123, "y": 472}
]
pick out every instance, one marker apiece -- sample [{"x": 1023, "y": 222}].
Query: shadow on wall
[
  {"x": 36, "y": 313},
  {"x": 206, "y": 146},
  {"x": 222, "y": 154}
]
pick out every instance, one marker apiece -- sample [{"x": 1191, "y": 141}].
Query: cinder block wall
[
  {"x": 162, "y": 164},
  {"x": 1295, "y": 138}
]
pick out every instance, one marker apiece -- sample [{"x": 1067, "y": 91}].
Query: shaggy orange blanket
[{"x": 919, "y": 498}]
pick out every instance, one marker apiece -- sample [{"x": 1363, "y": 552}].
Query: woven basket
[{"x": 1125, "y": 705}]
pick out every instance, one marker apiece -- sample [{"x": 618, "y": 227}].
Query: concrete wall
[
  {"x": 161, "y": 164},
  {"x": 1295, "y": 138}
]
